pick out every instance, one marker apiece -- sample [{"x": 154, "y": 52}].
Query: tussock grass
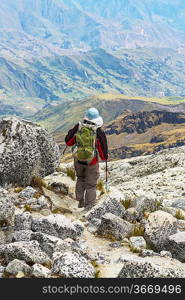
[
  {"x": 100, "y": 187},
  {"x": 28, "y": 208},
  {"x": 180, "y": 215},
  {"x": 38, "y": 182},
  {"x": 126, "y": 203},
  {"x": 71, "y": 173},
  {"x": 18, "y": 189},
  {"x": 138, "y": 230}
]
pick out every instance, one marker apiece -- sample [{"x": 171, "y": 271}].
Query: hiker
[{"x": 89, "y": 142}]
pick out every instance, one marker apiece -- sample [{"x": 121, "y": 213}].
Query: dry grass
[
  {"x": 71, "y": 173},
  {"x": 18, "y": 189},
  {"x": 100, "y": 187},
  {"x": 180, "y": 215},
  {"x": 138, "y": 230},
  {"x": 38, "y": 182},
  {"x": 126, "y": 203}
]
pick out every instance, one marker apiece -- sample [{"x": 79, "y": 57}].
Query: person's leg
[
  {"x": 91, "y": 177},
  {"x": 80, "y": 184}
]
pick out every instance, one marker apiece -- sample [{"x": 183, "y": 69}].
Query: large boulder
[
  {"x": 72, "y": 265},
  {"x": 30, "y": 252},
  {"x": 150, "y": 267},
  {"x": 109, "y": 203},
  {"x": 159, "y": 226},
  {"x": 114, "y": 227},
  {"x": 176, "y": 245},
  {"x": 16, "y": 266},
  {"x": 7, "y": 209},
  {"x": 56, "y": 225},
  {"x": 26, "y": 150}
]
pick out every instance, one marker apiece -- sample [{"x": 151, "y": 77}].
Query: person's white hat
[{"x": 92, "y": 115}]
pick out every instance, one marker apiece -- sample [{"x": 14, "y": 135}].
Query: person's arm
[
  {"x": 70, "y": 138},
  {"x": 102, "y": 144}
]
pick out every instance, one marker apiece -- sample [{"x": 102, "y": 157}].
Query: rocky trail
[{"x": 136, "y": 229}]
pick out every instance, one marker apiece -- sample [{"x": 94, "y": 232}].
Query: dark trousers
[{"x": 87, "y": 177}]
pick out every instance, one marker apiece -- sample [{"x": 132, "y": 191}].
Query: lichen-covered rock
[
  {"x": 27, "y": 193},
  {"x": 47, "y": 242},
  {"x": 26, "y": 150},
  {"x": 159, "y": 226},
  {"x": 110, "y": 203},
  {"x": 72, "y": 265},
  {"x": 176, "y": 245},
  {"x": 130, "y": 214},
  {"x": 137, "y": 243},
  {"x": 179, "y": 203},
  {"x": 7, "y": 210},
  {"x": 79, "y": 227},
  {"x": 39, "y": 271},
  {"x": 145, "y": 203},
  {"x": 23, "y": 221},
  {"x": 150, "y": 267},
  {"x": 16, "y": 266},
  {"x": 21, "y": 235},
  {"x": 114, "y": 227},
  {"x": 30, "y": 252},
  {"x": 57, "y": 225}
]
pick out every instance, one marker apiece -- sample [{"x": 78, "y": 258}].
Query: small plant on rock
[
  {"x": 38, "y": 182},
  {"x": 179, "y": 215},
  {"x": 100, "y": 187},
  {"x": 71, "y": 173},
  {"x": 138, "y": 230},
  {"x": 126, "y": 203}
]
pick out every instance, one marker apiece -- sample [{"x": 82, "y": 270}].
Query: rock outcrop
[{"x": 26, "y": 150}]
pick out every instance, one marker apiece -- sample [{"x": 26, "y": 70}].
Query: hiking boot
[{"x": 81, "y": 204}]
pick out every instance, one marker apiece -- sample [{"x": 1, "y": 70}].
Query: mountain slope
[{"x": 144, "y": 72}]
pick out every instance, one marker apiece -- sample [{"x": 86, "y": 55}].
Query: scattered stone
[
  {"x": 72, "y": 265},
  {"x": 113, "y": 226},
  {"x": 130, "y": 214},
  {"x": 60, "y": 187},
  {"x": 27, "y": 193},
  {"x": 148, "y": 252},
  {"x": 30, "y": 252},
  {"x": 56, "y": 201},
  {"x": 47, "y": 242},
  {"x": 57, "y": 225},
  {"x": 115, "y": 245},
  {"x": 181, "y": 225},
  {"x": 16, "y": 266},
  {"x": 23, "y": 221},
  {"x": 137, "y": 243},
  {"x": 43, "y": 202},
  {"x": 176, "y": 245},
  {"x": 159, "y": 226},
  {"x": 179, "y": 203},
  {"x": 144, "y": 204},
  {"x": 40, "y": 271},
  {"x": 150, "y": 267},
  {"x": 110, "y": 203},
  {"x": 21, "y": 235},
  {"x": 79, "y": 227},
  {"x": 165, "y": 254}
]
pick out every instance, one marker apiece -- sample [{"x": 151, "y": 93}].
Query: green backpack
[{"x": 86, "y": 144}]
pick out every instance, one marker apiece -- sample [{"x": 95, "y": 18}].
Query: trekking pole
[
  {"x": 106, "y": 171},
  {"x": 63, "y": 152}
]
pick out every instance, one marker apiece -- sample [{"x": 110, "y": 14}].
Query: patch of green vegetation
[
  {"x": 100, "y": 187},
  {"x": 126, "y": 203},
  {"x": 138, "y": 230},
  {"x": 179, "y": 215},
  {"x": 38, "y": 182},
  {"x": 71, "y": 173}
]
